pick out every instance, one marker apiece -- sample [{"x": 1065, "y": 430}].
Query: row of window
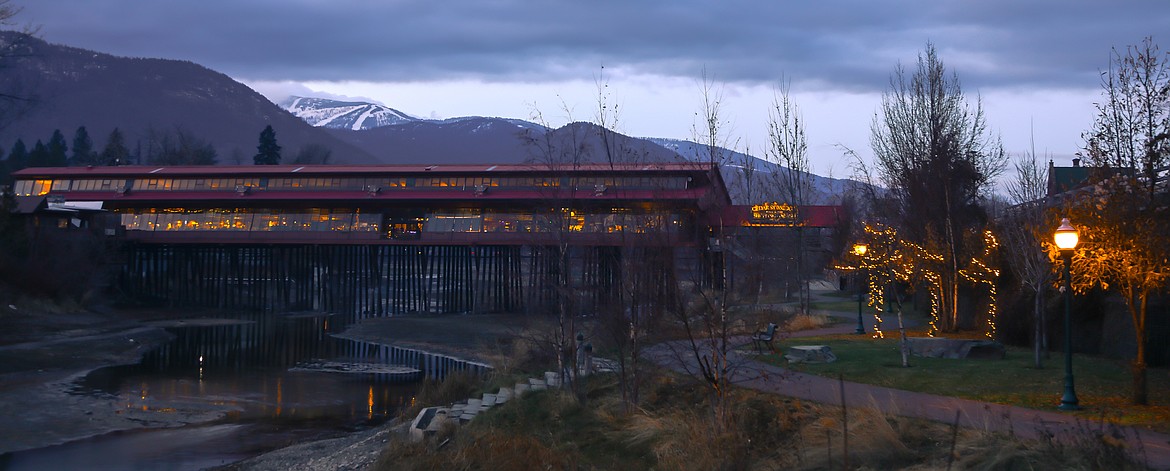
[
  {"x": 193, "y": 184},
  {"x": 41, "y": 187},
  {"x": 568, "y": 221},
  {"x": 320, "y": 220},
  {"x": 348, "y": 220}
]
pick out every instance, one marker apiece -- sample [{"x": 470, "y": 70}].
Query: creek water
[{"x": 228, "y": 389}]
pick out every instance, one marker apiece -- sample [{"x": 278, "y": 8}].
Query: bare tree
[
  {"x": 14, "y": 97},
  {"x": 1124, "y": 218},
  {"x": 1023, "y": 231},
  {"x": 937, "y": 159},
  {"x": 177, "y": 147},
  {"x": 561, "y": 152},
  {"x": 711, "y": 128},
  {"x": 607, "y": 117},
  {"x": 645, "y": 290},
  {"x": 707, "y": 352},
  {"x": 644, "y": 270},
  {"x": 314, "y": 154},
  {"x": 788, "y": 148}
]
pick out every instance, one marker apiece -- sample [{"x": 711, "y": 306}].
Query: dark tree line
[
  {"x": 55, "y": 152},
  {"x": 175, "y": 146}
]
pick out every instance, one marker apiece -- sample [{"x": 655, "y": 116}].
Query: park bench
[{"x": 765, "y": 337}]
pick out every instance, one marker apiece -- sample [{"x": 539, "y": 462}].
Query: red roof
[
  {"x": 394, "y": 195},
  {"x": 288, "y": 170}
]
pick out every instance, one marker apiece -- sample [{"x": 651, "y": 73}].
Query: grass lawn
[
  {"x": 839, "y": 306},
  {"x": 849, "y": 294},
  {"x": 1102, "y": 385}
]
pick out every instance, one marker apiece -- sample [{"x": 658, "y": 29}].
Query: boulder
[
  {"x": 811, "y": 354},
  {"x": 427, "y": 422},
  {"x": 942, "y": 347}
]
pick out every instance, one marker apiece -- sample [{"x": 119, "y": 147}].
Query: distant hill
[
  {"x": 70, "y": 87},
  {"x": 498, "y": 140},
  {"x": 334, "y": 114},
  {"x": 393, "y": 136},
  {"x": 764, "y": 177}
]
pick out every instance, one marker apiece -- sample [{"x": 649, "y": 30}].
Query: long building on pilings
[{"x": 388, "y": 239}]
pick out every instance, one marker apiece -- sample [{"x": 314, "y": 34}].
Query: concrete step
[{"x": 552, "y": 379}]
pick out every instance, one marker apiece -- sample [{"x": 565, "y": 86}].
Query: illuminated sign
[{"x": 774, "y": 214}]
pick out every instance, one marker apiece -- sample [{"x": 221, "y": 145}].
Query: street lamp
[
  {"x": 1066, "y": 240},
  {"x": 859, "y": 250}
]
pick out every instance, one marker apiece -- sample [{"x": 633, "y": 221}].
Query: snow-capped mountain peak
[{"x": 328, "y": 113}]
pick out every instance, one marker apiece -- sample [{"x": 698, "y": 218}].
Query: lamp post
[
  {"x": 859, "y": 250},
  {"x": 1066, "y": 240}
]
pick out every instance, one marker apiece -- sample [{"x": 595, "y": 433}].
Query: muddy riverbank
[{"x": 45, "y": 354}]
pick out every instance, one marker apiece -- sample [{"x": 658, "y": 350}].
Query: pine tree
[
  {"x": 5, "y": 172},
  {"x": 39, "y": 157},
  {"x": 268, "y": 150},
  {"x": 18, "y": 157},
  {"x": 83, "y": 153},
  {"x": 115, "y": 152},
  {"x": 57, "y": 150}
]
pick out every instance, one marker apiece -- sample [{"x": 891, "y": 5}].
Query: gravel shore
[{"x": 356, "y": 451}]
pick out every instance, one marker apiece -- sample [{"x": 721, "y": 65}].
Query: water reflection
[
  {"x": 238, "y": 382},
  {"x": 242, "y": 368}
]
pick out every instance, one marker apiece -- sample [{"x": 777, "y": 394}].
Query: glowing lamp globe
[
  {"x": 860, "y": 249},
  {"x": 1066, "y": 236}
]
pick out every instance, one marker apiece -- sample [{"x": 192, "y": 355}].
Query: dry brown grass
[
  {"x": 456, "y": 386},
  {"x": 487, "y": 450},
  {"x": 674, "y": 429},
  {"x": 812, "y": 320}
]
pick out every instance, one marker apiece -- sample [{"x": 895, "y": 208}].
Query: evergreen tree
[
  {"x": 5, "y": 171},
  {"x": 18, "y": 157},
  {"x": 57, "y": 150},
  {"x": 268, "y": 151},
  {"x": 115, "y": 152},
  {"x": 83, "y": 153},
  {"x": 39, "y": 157}
]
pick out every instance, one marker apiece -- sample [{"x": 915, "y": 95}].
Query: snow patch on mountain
[{"x": 335, "y": 114}]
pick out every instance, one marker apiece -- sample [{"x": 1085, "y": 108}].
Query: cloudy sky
[{"x": 1035, "y": 63}]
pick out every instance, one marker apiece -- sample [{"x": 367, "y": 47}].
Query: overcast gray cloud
[{"x": 840, "y": 45}]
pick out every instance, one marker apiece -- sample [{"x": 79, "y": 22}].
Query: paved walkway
[{"x": 1019, "y": 421}]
